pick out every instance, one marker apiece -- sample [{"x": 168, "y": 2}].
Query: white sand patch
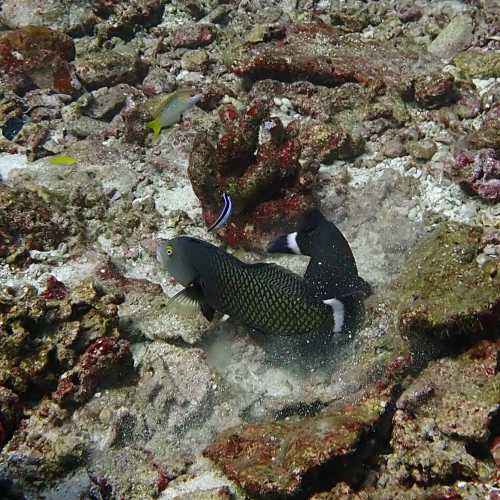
[{"x": 10, "y": 162}]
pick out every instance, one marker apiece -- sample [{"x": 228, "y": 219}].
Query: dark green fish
[{"x": 264, "y": 297}]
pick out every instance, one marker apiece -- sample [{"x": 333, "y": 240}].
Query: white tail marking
[
  {"x": 338, "y": 313},
  {"x": 291, "y": 241}
]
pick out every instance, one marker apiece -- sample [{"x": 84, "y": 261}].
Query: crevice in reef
[
  {"x": 289, "y": 77},
  {"x": 426, "y": 347}
]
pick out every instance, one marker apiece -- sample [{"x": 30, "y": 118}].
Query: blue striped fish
[{"x": 225, "y": 214}]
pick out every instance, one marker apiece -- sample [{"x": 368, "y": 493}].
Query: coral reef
[
  {"x": 104, "y": 362},
  {"x": 278, "y": 458},
  {"x": 268, "y": 186},
  {"x": 444, "y": 419},
  {"x": 325, "y": 55},
  {"x": 43, "y": 337},
  {"x": 373, "y": 111}
]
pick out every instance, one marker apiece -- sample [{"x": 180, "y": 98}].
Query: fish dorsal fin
[{"x": 269, "y": 266}]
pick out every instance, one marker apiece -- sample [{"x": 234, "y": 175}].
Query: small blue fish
[{"x": 225, "y": 213}]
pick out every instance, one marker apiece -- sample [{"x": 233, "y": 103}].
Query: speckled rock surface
[
  {"x": 69, "y": 17},
  {"x": 454, "y": 38},
  {"x": 38, "y": 56},
  {"x": 273, "y": 459},
  {"x": 29, "y": 221},
  {"x": 444, "y": 420},
  {"x": 324, "y": 55},
  {"x": 105, "y": 69}
]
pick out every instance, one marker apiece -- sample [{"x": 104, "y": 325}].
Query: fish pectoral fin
[
  {"x": 155, "y": 126},
  {"x": 338, "y": 313},
  {"x": 188, "y": 301},
  {"x": 207, "y": 311}
]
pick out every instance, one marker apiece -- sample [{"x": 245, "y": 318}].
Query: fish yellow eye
[{"x": 169, "y": 249}]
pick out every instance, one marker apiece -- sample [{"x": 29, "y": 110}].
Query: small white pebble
[
  {"x": 491, "y": 250},
  {"x": 481, "y": 259}
]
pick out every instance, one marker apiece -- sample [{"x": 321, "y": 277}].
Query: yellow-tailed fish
[
  {"x": 62, "y": 160},
  {"x": 170, "y": 108}
]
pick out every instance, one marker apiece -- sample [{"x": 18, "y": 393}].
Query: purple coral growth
[{"x": 478, "y": 173}]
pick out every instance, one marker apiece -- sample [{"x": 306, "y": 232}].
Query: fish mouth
[{"x": 159, "y": 243}]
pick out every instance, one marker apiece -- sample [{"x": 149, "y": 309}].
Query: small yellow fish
[
  {"x": 62, "y": 160},
  {"x": 169, "y": 109}
]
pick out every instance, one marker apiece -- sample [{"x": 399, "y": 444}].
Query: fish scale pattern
[{"x": 268, "y": 298}]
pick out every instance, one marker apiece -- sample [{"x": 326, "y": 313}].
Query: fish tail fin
[
  {"x": 362, "y": 287},
  {"x": 310, "y": 220},
  {"x": 155, "y": 126}
]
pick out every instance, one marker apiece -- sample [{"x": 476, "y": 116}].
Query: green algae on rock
[
  {"x": 476, "y": 64},
  {"x": 444, "y": 418},
  {"x": 326, "y": 143},
  {"x": 444, "y": 295}
]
